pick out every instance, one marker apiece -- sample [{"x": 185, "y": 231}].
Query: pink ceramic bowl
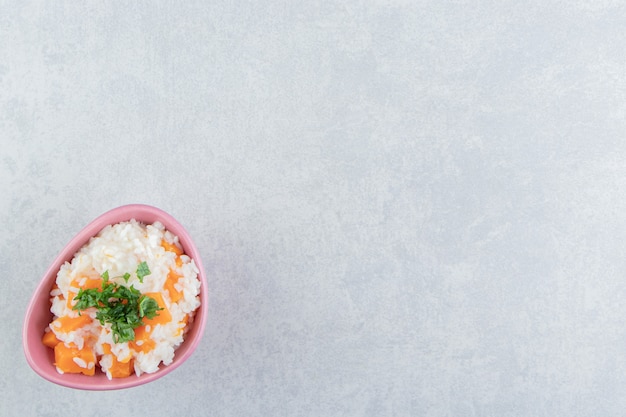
[{"x": 38, "y": 316}]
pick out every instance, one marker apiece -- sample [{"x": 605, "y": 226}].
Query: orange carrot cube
[
  {"x": 172, "y": 279},
  {"x": 72, "y": 360},
  {"x": 49, "y": 339},
  {"x": 67, "y": 324},
  {"x": 163, "y": 316},
  {"x": 171, "y": 247}
]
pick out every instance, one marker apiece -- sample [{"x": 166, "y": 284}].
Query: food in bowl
[{"x": 124, "y": 302}]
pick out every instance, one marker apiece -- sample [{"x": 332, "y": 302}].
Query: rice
[{"x": 118, "y": 249}]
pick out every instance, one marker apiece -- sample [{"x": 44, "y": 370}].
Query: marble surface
[{"x": 404, "y": 208}]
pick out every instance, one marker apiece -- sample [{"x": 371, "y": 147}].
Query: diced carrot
[
  {"x": 179, "y": 261},
  {"x": 163, "y": 316},
  {"x": 120, "y": 369},
  {"x": 172, "y": 279},
  {"x": 106, "y": 348},
  {"x": 67, "y": 324},
  {"x": 142, "y": 333},
  {"x": 89, "y": 283},
  {"x": 73, "y": 360},
  {"x": 171, "y": 247},
  {"x": 49, "y": 339},
  {"x": 142, "y": 342}
]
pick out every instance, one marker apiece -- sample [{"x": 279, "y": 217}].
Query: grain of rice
[{"x": 80, "y": 362}]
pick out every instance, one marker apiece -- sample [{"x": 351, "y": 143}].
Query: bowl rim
[{"x": 32, "y": 333}]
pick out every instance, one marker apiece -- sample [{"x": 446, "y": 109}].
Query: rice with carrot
[{"x": 124, "y": 302}]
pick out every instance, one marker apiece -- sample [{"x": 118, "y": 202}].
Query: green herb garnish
[
  {"x": 123, "y": 307},
  {"x": 142, "y": 271}
]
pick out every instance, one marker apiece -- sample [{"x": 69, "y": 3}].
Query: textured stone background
[{"x": 404, "y": 208}]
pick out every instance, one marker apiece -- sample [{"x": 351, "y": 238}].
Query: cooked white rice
[{"x": 118, "y": 249}]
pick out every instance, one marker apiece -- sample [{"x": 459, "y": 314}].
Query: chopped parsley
[
  {"x": 123, "y": 307},
  {"x": 142, "y": 271}
]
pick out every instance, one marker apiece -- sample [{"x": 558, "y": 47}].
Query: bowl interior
[{"x": 38, "y": 315}]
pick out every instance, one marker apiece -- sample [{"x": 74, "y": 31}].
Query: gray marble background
[{"x": 405, "y": 208}]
